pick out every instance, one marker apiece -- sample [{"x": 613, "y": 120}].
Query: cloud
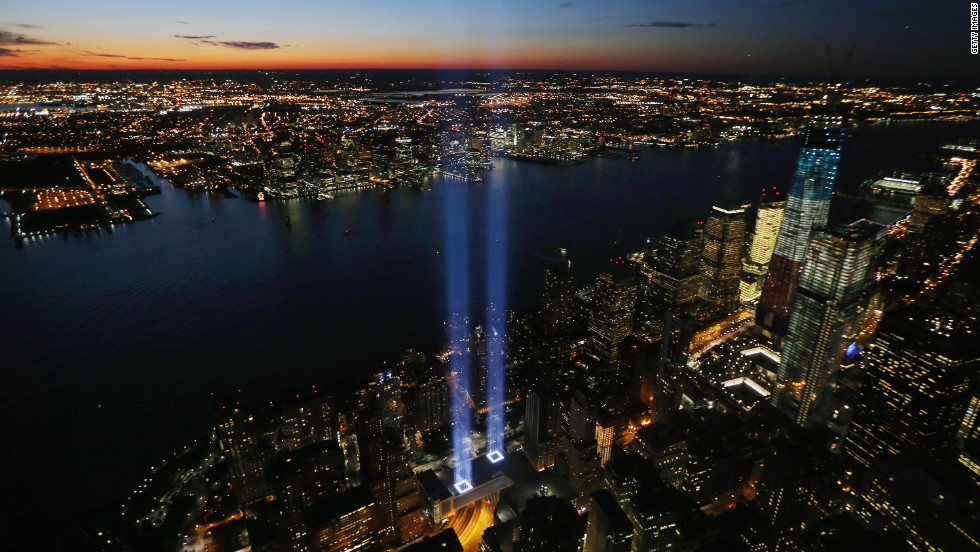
[
  {"x": 136, "y": 58},
  {"x": 194, "y": 37},
  {"x": 565, "y": 5},
  {"x": 182, "y": 22},
  {"x": 671, "y": 24},
  {"x": 25, "y": 26},
  {"x": 7, "y": 37},
  {"x": 243, "y": 45},
  {"x": 9, "y": 53},
  {"x": 249, "y": 45}
]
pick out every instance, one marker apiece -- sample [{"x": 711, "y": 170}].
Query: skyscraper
[
  {"x": 542, "y": 427},
  {"x": 239, "y": 440},
  {"x": 920, "y": 371},
  {"x": 672, "y": 267},
  {"x": 928, "y": 237},
  {"x": 678, "y": 331},
  {"x": 721, "y": 256},
  {"x": 430, "y": 399},
  {"x": 608, "y": 530},
  {"x": 830, "y": 301},
  {"x": 613, "y": 311},
  {"x": 550, "y": 524},
  {"x": 807, "y": 207},
  {"x": 769, "y": 217},
  {"x": 605, "y": 431},
  {"x": 390, "y": 398}
]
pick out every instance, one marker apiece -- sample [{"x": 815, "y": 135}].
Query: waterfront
[{"x": 115, "y": 342}]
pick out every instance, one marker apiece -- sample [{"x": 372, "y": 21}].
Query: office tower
[
  {"x": 429, "y": 399},
  {"x": 721, "y": 258},
  {"x": 637, "y": 371},
  {"x": 665, "y": 445},
  {"x": 931, "y": 201},
  {"x": 920, "y": 372},
  {"x": 656, "y": 510},
  {"x": 318, "y": 468},
  {"x": 676, "y": 343},
  {"x": 581, "y": 463},
  {"x": 929, "y": 238},
  {"x": 608, "y": 529},
  {"x": 934, "y": 508},
  {"x": 556, "y": 314},
  {"x": 307, "y": 423},
  {"x": 390, "y": 397},
  {"x": 807, "y": 207},
  {"x": 445, "y": 541},
  {"x": 542, "y": 427},
  {"x": 239, "y": 440},
  {"x": 293, "y": 535},
  {"x": 582, "y": 415},
  {"x": 383, "y": 463},
  {"x": 672, "y": 267},
  {"x": 498, "y": 538},
  {"x": 968, "y": 436},
  {"x": 837, "y": 272},
  {"x": 613, "y": 310},
  {"x": 550, "y": 524},
  {"x": 768, "y": 218},
  {"x": 605, "y": 432},
  {"x": 556, "y": 301},
  {"x": 345, "y": 522}
]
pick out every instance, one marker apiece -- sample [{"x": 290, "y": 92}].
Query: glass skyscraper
[
  {"x": 828, "y": 309},
  {"x": 807, "y": 207}
]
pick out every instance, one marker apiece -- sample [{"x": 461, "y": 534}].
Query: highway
[{"x": 470, "y": 522}]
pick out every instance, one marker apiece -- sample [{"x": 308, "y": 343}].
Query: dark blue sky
[{"x": 929, "y": 39}]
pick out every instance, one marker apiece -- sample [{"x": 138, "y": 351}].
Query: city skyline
[
  {"x": 702, "y": 277},
  {"x": 768, "y": 37}
]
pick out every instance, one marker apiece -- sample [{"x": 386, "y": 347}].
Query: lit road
[
  {"x": 707, "y": 338},
  {"x": 470, "y": 522},
  {"x": 967, "y": 166},
  {"x": 948, "y": 266}
]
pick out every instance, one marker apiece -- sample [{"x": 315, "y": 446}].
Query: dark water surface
[{"x": 113, "y": 343}]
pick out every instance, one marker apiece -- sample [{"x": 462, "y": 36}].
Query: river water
[{"x": 113, "y": 343}]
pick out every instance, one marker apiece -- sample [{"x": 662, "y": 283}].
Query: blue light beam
[
  {"x": 455, "y": 225},
  {"x": 496, "y": 229}
]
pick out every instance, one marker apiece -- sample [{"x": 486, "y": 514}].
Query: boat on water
[
  {"x": 288, "y": 222},
  {"x": 348, "y": 232}
]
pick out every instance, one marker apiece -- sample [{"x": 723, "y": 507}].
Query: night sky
[{"x": 927, "y": 39}]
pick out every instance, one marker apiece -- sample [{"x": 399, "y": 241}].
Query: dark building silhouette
[
  {"x": 921, "y": 370},
  {"x": 542, "y": 427},
  {"x": 608, "y": 529},
  {"x": 550, "y": 524},
  {"x": 672, "y": 271},
  {"x": 678, "y": 331},
  {"x": 613, "y": 312},
  {"x": 556, "y": 314}
]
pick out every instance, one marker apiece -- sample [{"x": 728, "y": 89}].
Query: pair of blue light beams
[{"x": 456, "y": 225}]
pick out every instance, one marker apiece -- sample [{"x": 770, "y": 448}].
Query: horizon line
[{"x": 809, "y": 77}]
